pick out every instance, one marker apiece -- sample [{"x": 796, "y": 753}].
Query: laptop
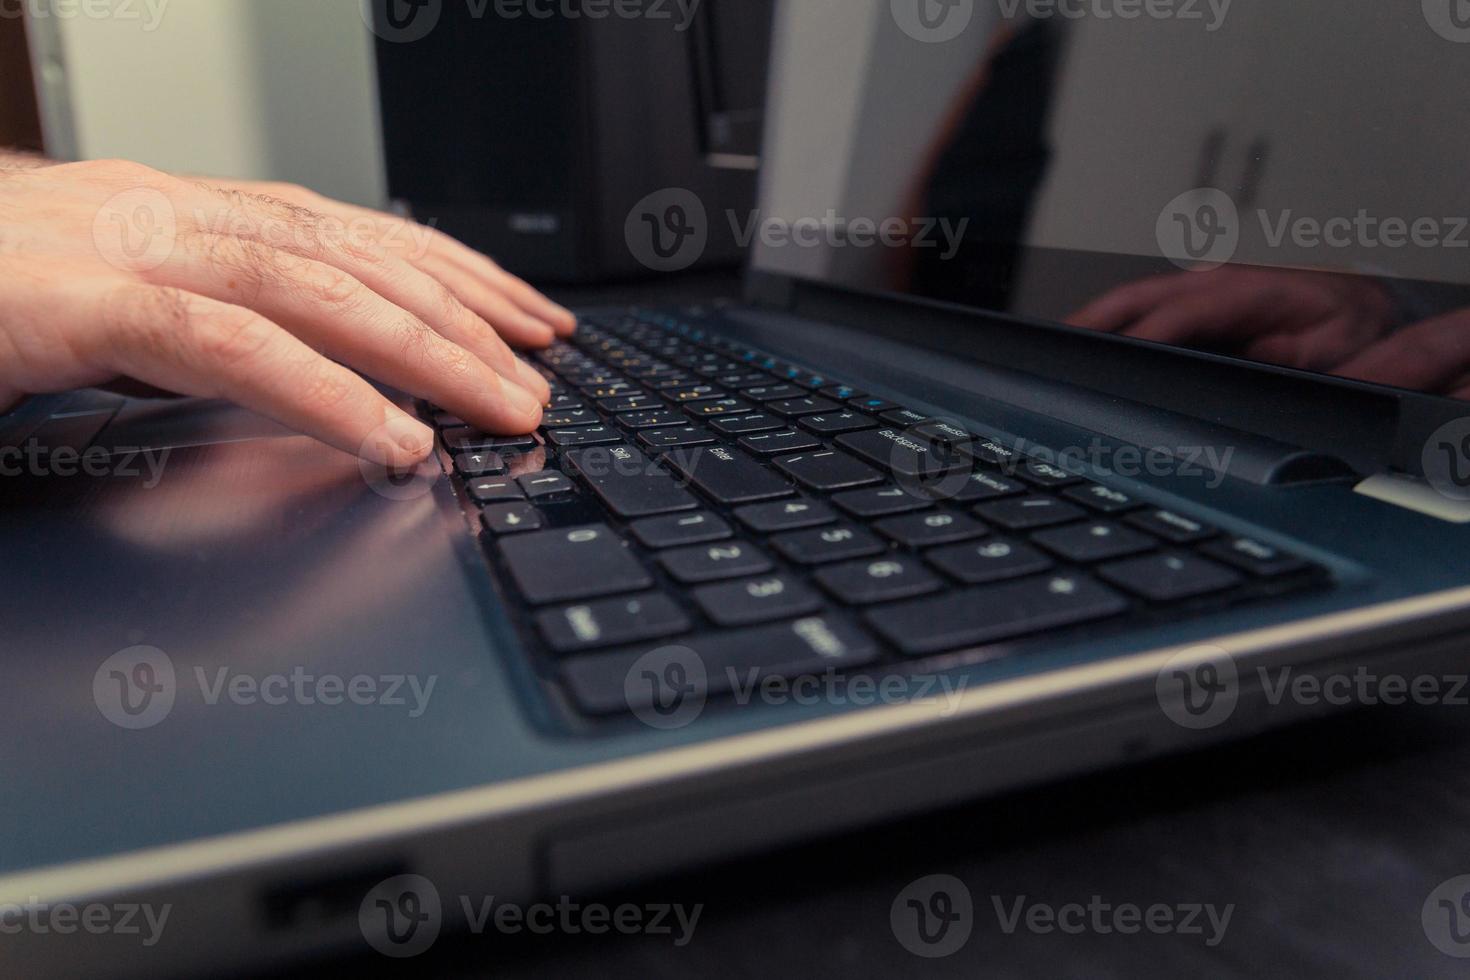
[{"x": 1098, "y": 394}]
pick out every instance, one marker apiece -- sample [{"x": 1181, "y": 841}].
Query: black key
[
  {"x": 611, "y": 389},
  {"x": 781, "y": 443},
  {"x": 443, "y": 420},
  {"x": 862, "y": 583},
  {"x": 628, "y": 483},
  {"x": 479, "y": 464},
  {"x": 493, "y": 491},
  {"x": 992, "y": 453},
  {"x": 1260, "y": 560},
  {"x": 842, "y": 393},
  {"x": 728, "y": 477},
  {"x": 669, "y": 379},
  {"x": 628, "y": 403},
  {"x": 614, "y": 683},
  {"x": 541, "y": 485},
  {"x": 904, "y": 453},
  {"x": 589, "y": 435},
  {"x": 944, "y": 433},
  {"x": 989, "y": 561},
  {"x": 771, "y": 393},
  {"x": 1030, "y": 513},
  {"x": 611, "y": 622},
  {"x": 1172, "y": 527},
  {"x": 872, "y": 405},
  {"x": 636, "y": 421},
  {"x": 829, "y": 471},
  {"x": 510, "y": 518},
  {"x": 472, "y": 441},
  {"x": 980, "y": 487},
  {"x": 570, "y": 419},
  {"x": 564, "y": 403},
  {"x": 680, "y": 530},
  {"x": 694, "y": 393},
  {"x": 684, "y": 435},
  {"x": 790, "y": 515},
  {"x": 572, "y": 564},
  {"x": 1046, "y": 475},
  {"x": 835, "y": 423},
  {"x": 740, "y": 380},
  {"x": 904, "y": 417},
  {"x": 975, "y": 617},
  {"x": 880, "y": 502},
  {"x": 824, "y": 545},
  {"x": 1171, "y": 577},
  {"x": 757, "y": 601},
  {"x": 1087, "y": 543},
  {"x": 718, "y": 407},
  {"x": 714, "y": 562},
  {"x": 793, "y": 408},
  {"x": 1104, "y": 500},
  {"x": 739, "y": 425},
  {"x": 931, "y": 530}
]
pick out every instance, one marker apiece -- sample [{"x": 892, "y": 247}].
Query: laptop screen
[{"x": 1282, "y": 182}]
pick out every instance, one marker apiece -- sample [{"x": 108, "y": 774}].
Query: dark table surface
[{"x": 1326, "y": 839}]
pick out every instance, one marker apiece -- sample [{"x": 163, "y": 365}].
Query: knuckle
[
  {"x": 234, "y": 337},
  {"x": 333, "y": 287},
  {"x": 153, "y": 321}
]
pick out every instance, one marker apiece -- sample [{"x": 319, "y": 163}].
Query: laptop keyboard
[{"x": 687, "y": 490}]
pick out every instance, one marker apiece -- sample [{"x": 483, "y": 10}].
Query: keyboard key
[
  {"x": 628, "y": 483},
  {"x": 991, "y": 561},
  {"x": 1088, "y": 543},
  {"x": 945, "y": 433},
  {"x": 611, "y": 622},
  {"x": 931, "y": 530},
  {"x": 636, "y": 421},
  {"x": 1260, "y": 560},
  {"x": 780, "y": 443},
  {"x": 694, "y": 393},
  {"x": 835, "y": 423},
  {"x": 771, "y": 393},
  {"x": 980, "y": 487},
  {"x": 1029, "y": 513},
  {"x": 492, "y": 491},
  {"x": 681, "y": 530},
  {"x": 904, "y": 417},
  {"x": 538, "y": 486},
  {"x": 862, "y": 583},
  {"x": 904, "y": 454},
  {"x": 590, "y": 435},
  {"x": 823, "y": 546},
  {"x": 842, "y": 393},
  {"x": 611, "y": 389},
  {"x": 628, "y": 403},
  {"x": 1104, "y": 500},
  {"x": 1170, "y": 578},
  {"x": 715, "y": 562},
  {"x": 746, "y": 424},
  {"x": 740, "y": 380},
  {"x": 572, "y": 564},
  {"x": 443, "y": 420},
  {"x": 570, "y": 419},
  {"x": 510, "y": 519},
  {"x": 673, "y": 438},
  {"x": 792, "y": 408},
  {"x": 718, "y": 407},
  {"x": 1172, "y": 527},
  {"x": 791, "y": 515},
  {"x": 479, "y": 464},
  {"x": 604, "y": 683},
  {"x": 728, "y": 477},
  {"x": 880, "y": 502},
  {"x": 992, "y": 453},
  {"x": 829, "y": 471},
  {"x": 872, "y": 405},
  {"x": 992, "y": 614},
  {"x": 472, "y": 441},
  {"x": 757, "y": 601},
  {"x": 1046, "y": 475}
]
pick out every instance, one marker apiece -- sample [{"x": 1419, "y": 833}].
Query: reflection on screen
[{"x": 1285, "y": 182}]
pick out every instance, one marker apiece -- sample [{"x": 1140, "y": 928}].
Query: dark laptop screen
[{"x": 1282, "y": 181}]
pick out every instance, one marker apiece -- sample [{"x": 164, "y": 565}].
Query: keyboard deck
[{"x": 686, "y": 490}]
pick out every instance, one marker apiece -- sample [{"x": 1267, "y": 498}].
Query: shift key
[
  {"x": 728, "y": 477},
  {"x": 628, "y": 483}
]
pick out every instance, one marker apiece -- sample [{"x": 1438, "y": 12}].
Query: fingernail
[
  {"x": 412, "y": 437},
  {"x": 531, "y": 379},
  {"x": 522, "y": 400}
]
